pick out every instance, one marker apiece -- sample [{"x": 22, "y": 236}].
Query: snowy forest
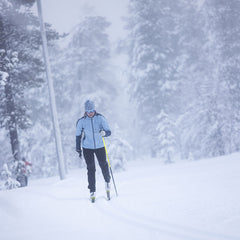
[{"x": 177, "y": 97}]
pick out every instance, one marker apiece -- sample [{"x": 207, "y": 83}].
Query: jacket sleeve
[
  {"x": 78, "y": 135},
  {"x": 78, "y": 143},
  {"x": 105, "y": 126}
]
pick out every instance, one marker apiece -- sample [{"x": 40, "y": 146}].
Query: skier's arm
[
  {"x": 78, "y": 135},
  {"x": 78, "y": 143}
]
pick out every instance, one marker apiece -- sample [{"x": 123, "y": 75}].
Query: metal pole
[
  {"x": 110, "y": 166},
  {"x": 56, "y": 128}
]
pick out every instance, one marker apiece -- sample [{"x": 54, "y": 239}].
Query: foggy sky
[{"x": 65, "y": 14}]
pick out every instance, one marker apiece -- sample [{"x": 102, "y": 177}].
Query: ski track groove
[
  {"x": 117, "y": 211},
  {"x": 173, "y": 230}
]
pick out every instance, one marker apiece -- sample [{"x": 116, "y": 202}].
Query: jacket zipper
[{"x": 93, "y": 133}]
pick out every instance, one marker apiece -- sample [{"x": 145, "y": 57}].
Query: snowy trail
[
  {"x": 183, "y": 201},
  {"x": 160, "y": 227}
]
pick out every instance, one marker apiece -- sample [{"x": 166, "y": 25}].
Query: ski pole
[{"x": 109, "y": 166}]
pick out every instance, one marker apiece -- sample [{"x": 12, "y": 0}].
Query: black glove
[{"x": 79, "y": 152}]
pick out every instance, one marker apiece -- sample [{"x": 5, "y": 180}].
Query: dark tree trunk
[
  {"x": 9, "y": 99},
  {"x": 12, "y": 121}
]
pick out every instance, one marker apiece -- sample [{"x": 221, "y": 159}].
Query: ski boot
[
  {"x": 107, "y": 187},
  {"x": 92, "y": 197}
]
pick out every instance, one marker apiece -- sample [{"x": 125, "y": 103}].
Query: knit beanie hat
[{"x": 89, "y": 105}]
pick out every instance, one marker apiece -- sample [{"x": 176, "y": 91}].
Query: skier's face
[{"x": 90, "y": 113}]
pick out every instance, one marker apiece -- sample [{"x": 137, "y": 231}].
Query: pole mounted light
[{"x": 56, "y": 128}]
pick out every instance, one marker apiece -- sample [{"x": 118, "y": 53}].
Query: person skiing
[{"x": 89, "y": 132}]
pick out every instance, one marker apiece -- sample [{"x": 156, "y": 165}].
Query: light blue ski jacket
[{"x": 88, "y": 130}]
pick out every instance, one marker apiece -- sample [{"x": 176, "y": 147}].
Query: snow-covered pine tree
[
  {"x": 153, "y": 53},
  {"x": 228, "y": 34},
  {"x": 209, "y": 125},
  {"x": 119, "y": 149},
  {"x": 20, "y": 44},
  {"x": 167, "y": 137},
  {"x": 201, "y": 129},
  {"x": 9, "y": 181}
]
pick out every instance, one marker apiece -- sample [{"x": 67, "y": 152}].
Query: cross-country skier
[{"x": 89, "y": 132}]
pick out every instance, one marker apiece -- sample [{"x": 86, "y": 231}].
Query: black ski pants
[{"x": 91, "y": 168}]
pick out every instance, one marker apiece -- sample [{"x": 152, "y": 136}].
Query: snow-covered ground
[{"x": 184, "y": 201}]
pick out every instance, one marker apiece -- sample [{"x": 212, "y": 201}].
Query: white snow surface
[{"x": 190, "y": 200}]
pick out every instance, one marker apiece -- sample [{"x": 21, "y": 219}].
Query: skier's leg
[
  {"x": 91, "y": 169},
  {"x": 101, "y": 157}
]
